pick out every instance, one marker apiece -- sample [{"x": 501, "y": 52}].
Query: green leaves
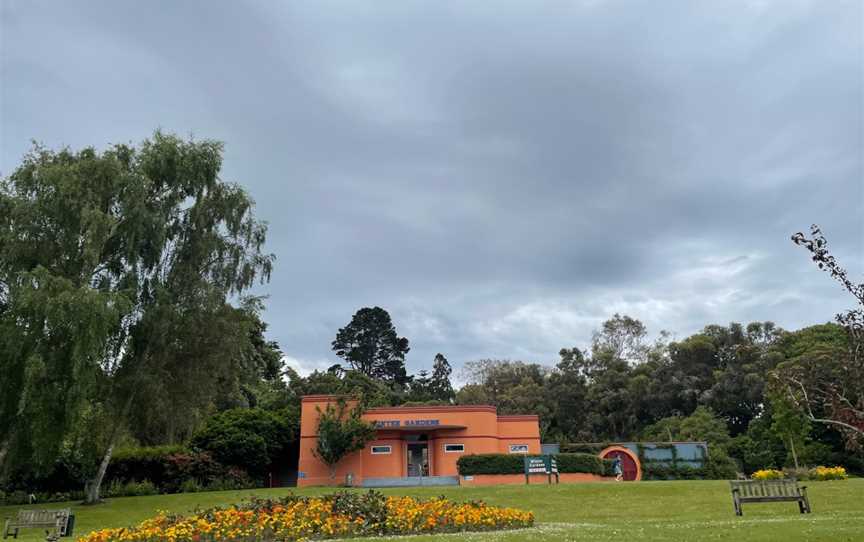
[
  {"x": 106, "y": 258},
  {"x": 341, "y": 431}
]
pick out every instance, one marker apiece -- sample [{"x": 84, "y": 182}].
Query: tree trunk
[
  {"x": 794, "y": 455},
  {"x": 95, "y": 484},
  {"x": 4, "y": 449}
]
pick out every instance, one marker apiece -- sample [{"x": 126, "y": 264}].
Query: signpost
[{"x": 544, "y": 464}]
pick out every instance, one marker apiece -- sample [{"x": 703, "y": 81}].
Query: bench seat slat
[{"x": 753, "y": 491}]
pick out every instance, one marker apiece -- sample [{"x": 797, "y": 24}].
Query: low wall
[{"x": 516, "y": 479}]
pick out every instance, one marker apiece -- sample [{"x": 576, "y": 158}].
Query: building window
[
  {"x": 518, "y": 448},
  {"x": 377, "y": 450},
  {"x": 454, "y": 448}
]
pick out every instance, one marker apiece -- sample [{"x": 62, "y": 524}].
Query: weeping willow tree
[{"x": 117, "y": 270}]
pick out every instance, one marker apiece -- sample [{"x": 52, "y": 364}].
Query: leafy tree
[
  {"x": 354, "y": 383},
  {"x": 102, "y": 255},
  {"x": 790, "y": 425},
  {"x": 369, "y": 344},
  {"x": 341, "y": 431},
  {"x": 623, "y": 337},
  {"x": 829, "y": 389}
]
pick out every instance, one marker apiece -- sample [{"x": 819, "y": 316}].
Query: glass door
[{"x": 418, "y": 459}]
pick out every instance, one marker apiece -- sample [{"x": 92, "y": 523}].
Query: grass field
[{"x": 693, "y": 510}]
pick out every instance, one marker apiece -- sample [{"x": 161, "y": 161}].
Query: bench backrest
[
  {"x": 766, "y": 488},
  {"x": 43, "y": 517}
]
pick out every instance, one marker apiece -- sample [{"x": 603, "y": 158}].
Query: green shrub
[
  {"x": 515, "y": 464},
  {"x": 658, "y": 470},
  {"x": 248, "y": 438},
  {"x": 719, "y": 465},
  {"x": 169, "y": 467},
  {"x": 130, "y": 489},
  {"x": 18, "y": 497},
  {"x": 491, "y": 464},
  {"x": 586, "y": 463},
  {"x": 190, "y": 485}
]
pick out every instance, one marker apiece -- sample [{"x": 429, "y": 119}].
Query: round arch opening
[{"x": 630, "y": 464}]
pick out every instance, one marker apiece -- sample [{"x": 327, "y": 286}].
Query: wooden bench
[
  {"x": 769, "y": 491},
  {"x": 56, "y": 523}
]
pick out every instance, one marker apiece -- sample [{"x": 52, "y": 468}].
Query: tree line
[{"x": 125, "y": 320}]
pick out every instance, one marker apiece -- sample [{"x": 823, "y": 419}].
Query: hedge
[{"x": 514, "y": 464}]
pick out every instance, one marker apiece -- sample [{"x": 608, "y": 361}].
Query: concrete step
[{"x": 412, "y": 481}]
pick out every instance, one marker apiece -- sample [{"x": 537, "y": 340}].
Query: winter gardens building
[{"x": 415, "y": 445}]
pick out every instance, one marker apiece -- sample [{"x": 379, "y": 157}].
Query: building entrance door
[{"x": 418, "y": 459}]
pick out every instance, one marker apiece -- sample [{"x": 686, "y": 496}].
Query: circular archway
[{"x": 629, "y": 462}]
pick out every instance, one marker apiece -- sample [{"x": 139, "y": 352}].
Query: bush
[
  {"x": 515, "y": 464},
  {"x": 586, "y": 463},
  {"x": 828, "y": 473},
  {"x": 170, "y": 468},
  {"x": 491, "y": 464},
  {"x": 18, "y": 497},
  {"x": 130, "y": 489},
  {"x": 802, "y": 473},
  {"x": 767, "y": 474},
  {"x": 719, "y": 465},
  {"x": 248, "y": 438},
  {"x": 652, "y": 470}
]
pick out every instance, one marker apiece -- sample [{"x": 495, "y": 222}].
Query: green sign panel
[{"x": 543, "y": 464}]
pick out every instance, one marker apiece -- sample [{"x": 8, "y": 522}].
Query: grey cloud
[{"x": 500, "y": 178}]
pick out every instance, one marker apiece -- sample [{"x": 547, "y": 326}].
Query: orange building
[{"x": 416, "y": 445}]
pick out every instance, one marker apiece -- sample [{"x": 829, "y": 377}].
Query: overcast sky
[{"x": 500, "y": 176}]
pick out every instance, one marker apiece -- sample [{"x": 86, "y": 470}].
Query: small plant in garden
[
  {"x": 768, "y": 474},
  {"x": 338, "y": 515},
  {"x": 828, "y": 473}
]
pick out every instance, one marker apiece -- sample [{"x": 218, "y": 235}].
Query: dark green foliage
[
  {"x": 369, "y": 343},
  {"x": 666, "y": 471},
  {"x": 116, "y": 270},
  {"x": 434, "y": 389},
  {"x": 169, "y": 468},
  {"x": 491, "y": 464},
  {"x": 580, "y": 463},
  {"x": 515, "y": 464},
  {"x": 252, "y": 439},
  {"x": 354, "y": 383}
]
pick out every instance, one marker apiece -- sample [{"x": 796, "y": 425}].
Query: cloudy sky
[{"x": 500, "y": 176}]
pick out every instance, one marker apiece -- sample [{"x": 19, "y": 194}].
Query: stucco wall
[{"x": 477, "y": 427}]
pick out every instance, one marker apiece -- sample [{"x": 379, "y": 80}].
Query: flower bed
[
  {"x": 338, "y": 515},
  {"x": 817, "y": 474}
]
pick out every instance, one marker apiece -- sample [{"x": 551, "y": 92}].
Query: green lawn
[{"x": 609, "y": 511}]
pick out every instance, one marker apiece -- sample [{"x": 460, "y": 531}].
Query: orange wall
[{"x": 480, "y": 430}]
